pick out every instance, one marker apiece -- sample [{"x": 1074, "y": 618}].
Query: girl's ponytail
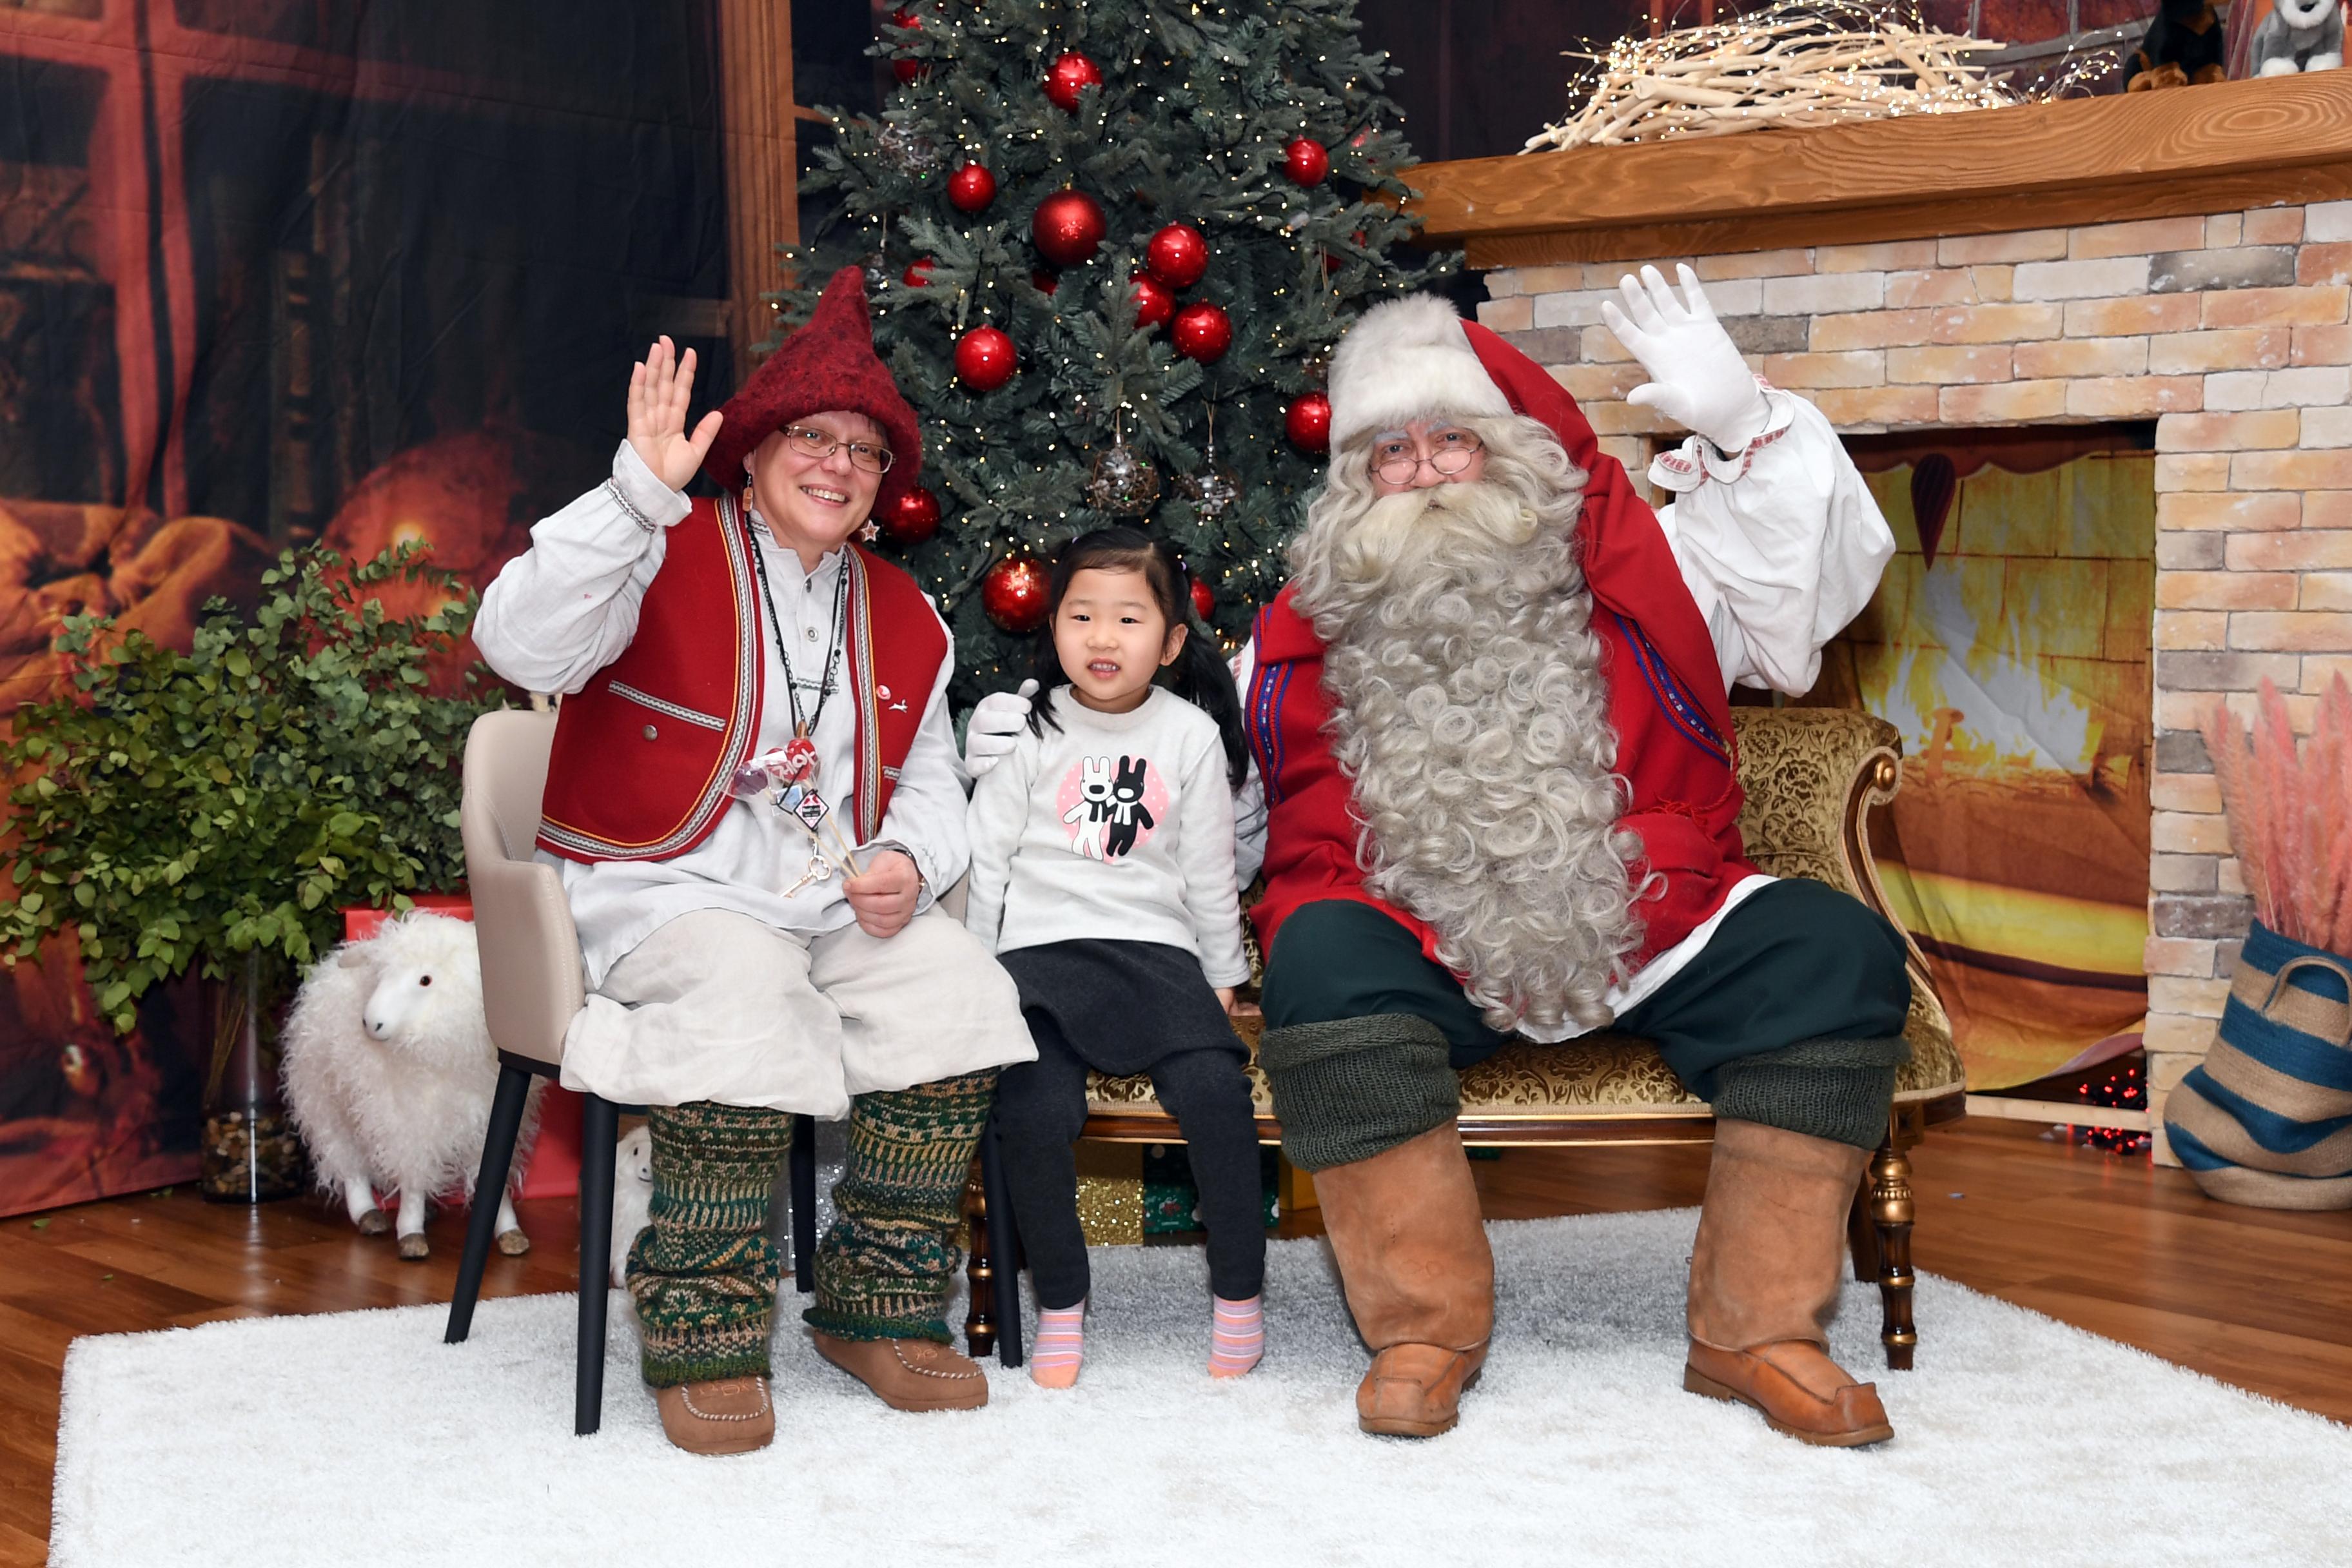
[{"x": 1200, "y": 676}]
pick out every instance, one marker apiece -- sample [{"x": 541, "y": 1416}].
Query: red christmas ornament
[
  {"x": 1013, "y": 595},
  {"x": 1178, "y": 255},
  {"x": 1044, "y": 282},
  {"x": 985, "y": 361},
  {"x": 1307, "y": 422},
  {"x": 1068, "y": 227},
  {"x": 912, "y": 518},
  {"x": 1204, "y": 603},
  {"x": 907, "y": 70},
  {"x": 1069, "y": 74},
  {"x": 1154, "y": 300},
  {"x": 1305, "y": 162},
  {"x": 971, "y": 187},
  {"x": 918, "y": 273},
  {"x": 1203, "y": 332}
]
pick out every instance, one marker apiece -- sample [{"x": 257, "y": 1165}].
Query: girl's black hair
[{"x": 1199, "y": 676}]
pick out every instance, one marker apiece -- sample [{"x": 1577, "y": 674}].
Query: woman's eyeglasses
[{"x": 818, "y": 445}]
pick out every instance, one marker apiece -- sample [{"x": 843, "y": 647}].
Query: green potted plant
[{"x": 213, "y": 810}]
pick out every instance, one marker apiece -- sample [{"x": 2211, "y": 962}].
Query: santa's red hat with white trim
[{"x": 1408, "y": 360}]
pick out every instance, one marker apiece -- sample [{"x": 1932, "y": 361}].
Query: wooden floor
[{"x": 2253, "y": 1297}]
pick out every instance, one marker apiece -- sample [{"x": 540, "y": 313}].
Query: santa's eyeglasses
[
  {"x": 1396, "y": 462},
  {"x": 818, "y": 445}
]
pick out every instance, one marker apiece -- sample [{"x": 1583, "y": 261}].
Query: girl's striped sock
[
  {"x": 1061, "y": 1346},
  {"x": 1237, "y": 1336}
]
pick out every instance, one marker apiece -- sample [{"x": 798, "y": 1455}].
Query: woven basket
[{"x": 2266, "y": 1120}]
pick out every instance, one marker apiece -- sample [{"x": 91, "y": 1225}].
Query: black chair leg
[
  {"x": 481, "y": 1224},
  {"x": 803, "y": 1165},
  {"x": 1003, "y": 1248},
  {"x": 600, "y": 1131}
]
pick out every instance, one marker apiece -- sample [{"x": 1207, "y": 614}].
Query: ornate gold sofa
[{"x": 1811, "y": 775}]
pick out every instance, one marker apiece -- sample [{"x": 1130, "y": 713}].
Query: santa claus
[{"x": 1490, "y": 714}]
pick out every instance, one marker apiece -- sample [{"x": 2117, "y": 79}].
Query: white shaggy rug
[{"x": 359, "y": 1438}]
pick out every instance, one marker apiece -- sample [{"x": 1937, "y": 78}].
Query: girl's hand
[
  {"x": 996, "y": 724},
  {"x": 660, "y": 388},
  {"x": 1234, "y": 1007}
]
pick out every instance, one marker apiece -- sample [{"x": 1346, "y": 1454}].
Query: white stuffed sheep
[
  {"x": 390, "y": 1073},
  {"x": 632, "y": 1195}
]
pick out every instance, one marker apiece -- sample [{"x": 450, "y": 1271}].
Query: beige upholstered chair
[
  {"x": 1811, "y": 775},
  {"x": 533, "y": 983}
]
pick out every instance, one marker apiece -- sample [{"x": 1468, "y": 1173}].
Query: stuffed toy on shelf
[
  {"x": 2299, "y": 35},
  {"x": 2183, "y": 45}
]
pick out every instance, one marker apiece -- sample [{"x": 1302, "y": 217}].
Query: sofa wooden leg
[
  {"x": 980, "y": 1271},
  {"x": 1891, "y": 1214}
]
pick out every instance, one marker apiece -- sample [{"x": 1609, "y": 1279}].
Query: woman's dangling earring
[{"x": 748, "y": 508}]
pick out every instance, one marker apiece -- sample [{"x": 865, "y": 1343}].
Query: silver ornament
[
  {"x": 1211, "y": 491},
  {"x": 1124, "y": 484},
  {"x": 877, "y": 275}
]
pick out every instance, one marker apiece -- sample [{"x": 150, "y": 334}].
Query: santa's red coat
[{"x": 1666, "y": 701}]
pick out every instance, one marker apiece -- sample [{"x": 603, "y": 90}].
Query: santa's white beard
[{"x": 1470, "y": 713}]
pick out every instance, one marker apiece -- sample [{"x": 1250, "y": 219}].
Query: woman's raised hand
[{"x": 661, "y": 386}]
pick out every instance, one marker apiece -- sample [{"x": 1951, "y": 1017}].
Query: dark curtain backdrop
[{"x": 277, "y": 270}]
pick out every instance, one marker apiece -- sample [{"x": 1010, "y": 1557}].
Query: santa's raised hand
[
  {"x": 1697, "y": 376},
  {"x": 661, "y": 388}
]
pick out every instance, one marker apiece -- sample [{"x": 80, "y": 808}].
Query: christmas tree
[{"x": 1109, "y": 245}]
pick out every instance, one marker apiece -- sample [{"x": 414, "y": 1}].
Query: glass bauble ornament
[
  {"x": 1068, "y": 227},
  {"x": 1178, "y": 255},
  {"x": 1013, "y": 595},
  {"x": 985, "y": 359},
  {"x": 1305, "y": 162},
  {"x": 1154, "y": 300},
  {"x": 913, "y": 517},
  {"x": 1069, "y": 74},
  {"x": 1201, "y": 332},
  {"x": 972, "y": 188},
  {"x": 1307, "y": 422}
]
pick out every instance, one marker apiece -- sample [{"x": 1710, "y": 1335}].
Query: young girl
[{"x": 1102, "y": 874}]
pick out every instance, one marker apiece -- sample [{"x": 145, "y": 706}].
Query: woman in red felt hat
[{"x": 754, "y": 798}]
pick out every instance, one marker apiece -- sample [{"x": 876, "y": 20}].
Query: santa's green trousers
[{"x": 703, "y": 1272}]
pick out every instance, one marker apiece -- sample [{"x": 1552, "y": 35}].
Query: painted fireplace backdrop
[
  {"x": 273, "y": 271},
  {"x": 2008, "y": 642}
]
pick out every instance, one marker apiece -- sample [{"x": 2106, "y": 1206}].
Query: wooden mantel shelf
[{"x": 2087, "y": 160}]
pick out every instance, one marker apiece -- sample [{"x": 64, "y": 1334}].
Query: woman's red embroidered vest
[
  {"x": 644, "y": 752},
  {"x": 1666, "y": 703}
]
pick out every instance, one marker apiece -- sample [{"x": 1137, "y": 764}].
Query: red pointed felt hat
[{"x": 829, "y": 364}]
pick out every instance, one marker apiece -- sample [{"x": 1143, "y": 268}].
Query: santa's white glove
[
  {"x": 1697, "y": 376},
  {"x": 995, "y": 723}
]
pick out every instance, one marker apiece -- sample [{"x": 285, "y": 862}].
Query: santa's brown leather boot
[
  {"x": 1764, "y": 1284},
  {"x": 908, "y": 1374},
  {"x": 726, "y": 1416},
  {"x": 1420, "y": 1278}
]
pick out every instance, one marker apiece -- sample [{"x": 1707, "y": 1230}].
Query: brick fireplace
[{"x": 2229, "y": 326}]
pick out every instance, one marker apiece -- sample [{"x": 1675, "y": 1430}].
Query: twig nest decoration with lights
[
  {"x": 1798, "y": 62},
  {"x": 1124, "y": 484}
]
